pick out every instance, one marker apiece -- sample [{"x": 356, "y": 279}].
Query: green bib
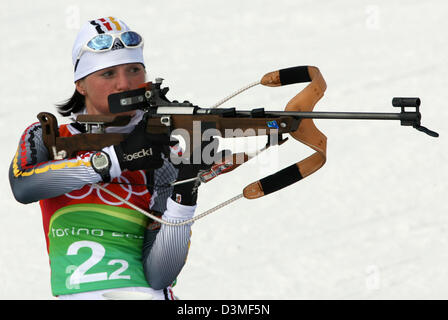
[{"x": 96, "y": 247}]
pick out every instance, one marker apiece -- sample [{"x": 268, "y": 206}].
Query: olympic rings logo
[{"x": 126, "y": 186}]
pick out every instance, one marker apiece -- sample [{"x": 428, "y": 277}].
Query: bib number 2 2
[{"x": 98, "y": 251}]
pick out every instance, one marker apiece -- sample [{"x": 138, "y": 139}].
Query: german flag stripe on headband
[{"x": 103, "y": 25}]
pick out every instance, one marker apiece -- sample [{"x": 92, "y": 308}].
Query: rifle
[{"x": 168, "y": 117}]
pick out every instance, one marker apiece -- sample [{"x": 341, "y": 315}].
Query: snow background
[{"x": 371, "y": 224}]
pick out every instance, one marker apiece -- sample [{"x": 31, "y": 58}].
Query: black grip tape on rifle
[
  {"x": 280, "y": 179},
  {"x": 294, "y": 75}
]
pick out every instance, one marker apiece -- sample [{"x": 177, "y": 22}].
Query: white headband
[{"x": 90, "y": 62}]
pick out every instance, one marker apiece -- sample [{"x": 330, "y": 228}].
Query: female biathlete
[{"x": 98, "y": 246}]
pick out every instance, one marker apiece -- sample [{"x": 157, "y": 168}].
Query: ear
[{"x": 81, "y": 87}]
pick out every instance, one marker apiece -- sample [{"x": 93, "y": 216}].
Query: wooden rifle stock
[
  {"x": 67, "y": 147},
  {"x": 190, "y": 127}
]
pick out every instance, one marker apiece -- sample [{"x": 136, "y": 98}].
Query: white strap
[{"x": 219, "y": 206}]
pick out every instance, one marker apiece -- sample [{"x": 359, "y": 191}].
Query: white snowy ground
[{"x": 371, "y": 224}]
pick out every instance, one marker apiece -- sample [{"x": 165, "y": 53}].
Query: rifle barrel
[{"x": 341, "y": 115}]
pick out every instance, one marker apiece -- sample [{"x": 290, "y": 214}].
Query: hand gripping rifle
[{"x": 164, "y": 116}]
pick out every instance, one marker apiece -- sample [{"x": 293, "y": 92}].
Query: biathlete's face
[{"x": 97, "y": 86}]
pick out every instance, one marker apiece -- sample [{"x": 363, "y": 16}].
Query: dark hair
[{"x": 74, "y": 104}]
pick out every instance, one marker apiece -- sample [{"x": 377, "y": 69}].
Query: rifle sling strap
[{"x": 306, "y": 133}]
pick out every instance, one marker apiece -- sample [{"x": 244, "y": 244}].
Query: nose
[{"x": 122, "y": 81}]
